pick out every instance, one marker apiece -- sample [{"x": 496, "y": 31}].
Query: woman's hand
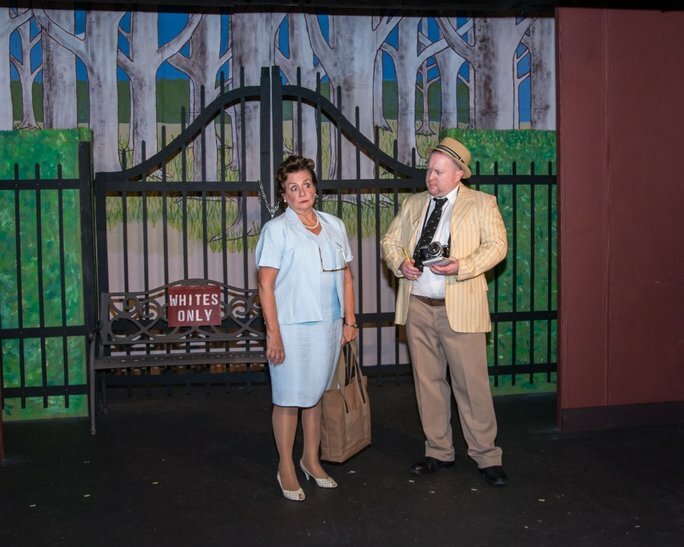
[
  {"x": 349, "y": 332},
  {"x": 275, "y": 351}
]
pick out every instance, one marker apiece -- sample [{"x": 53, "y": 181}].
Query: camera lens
[{"x": 434, "y": 248}]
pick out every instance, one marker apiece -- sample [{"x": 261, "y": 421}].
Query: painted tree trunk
[
  {"x": 142, "y": 73},
  {"x": 26, "y": 76},
  {"x": 142, "y": 64},
  {"x": 101, "y": 66},
  {"x": 449, "y": 63},
  {"x": 406, "y": 65},
  {"x": 302, "y": 57},
  {"x": 349, "y": 59},
  {"x": 59, "y": 76},
  {"x": 252, "y": 51},
  {"x": 7, "y": 26},
  {"x": 496, "y": 42},
  {"x": 98, "y": 51}
]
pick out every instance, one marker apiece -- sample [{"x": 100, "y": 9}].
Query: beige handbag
[{"x": 345, "y": 415}]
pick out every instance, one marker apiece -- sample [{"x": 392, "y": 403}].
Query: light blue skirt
[{"x": 311, "y": 353}]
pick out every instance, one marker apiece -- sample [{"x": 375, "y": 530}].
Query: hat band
[{"x": 450, "y": 152}]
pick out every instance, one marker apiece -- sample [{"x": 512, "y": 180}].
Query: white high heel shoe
[
  {"x": 293, "y": 495},
  {"x": 327, "y": 482}
]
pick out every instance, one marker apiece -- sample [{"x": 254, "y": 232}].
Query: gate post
[
  {"x": 89, "y": 266},
  {"x": 277, "y": 127},
  {"x": 265, "y": 177},
  {"x": 2, "y": 437}
]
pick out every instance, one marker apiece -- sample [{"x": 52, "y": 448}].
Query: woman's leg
[
  {"x": 284, "y": 430},
  {"x": 311, "y": 424}
]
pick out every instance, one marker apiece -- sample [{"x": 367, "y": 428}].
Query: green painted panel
[
  {"x": 50, "y": 361},
  {"x": 539, "y": 384},
  {"x": 33, "y": 356},
  {"x": 506, "y": 147},
  {"x": 29, "y": 259},
  {"x": 10, "y": 363},
  {"x": 46, "y": 147},
  {"x": 8, "y": 262},
  {"x": 56, "y": 408}
]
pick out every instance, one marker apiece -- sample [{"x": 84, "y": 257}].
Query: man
[{"x": 444, "y": 307}]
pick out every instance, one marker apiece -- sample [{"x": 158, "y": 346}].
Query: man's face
[{"x": 442, "y": 175}]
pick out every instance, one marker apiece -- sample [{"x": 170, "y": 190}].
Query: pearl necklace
[{"x": 314, "y": 226}]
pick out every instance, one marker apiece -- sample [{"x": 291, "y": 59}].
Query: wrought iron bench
[{"x": 184, "y": 323}]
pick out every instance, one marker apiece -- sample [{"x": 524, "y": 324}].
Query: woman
[{"x": 307, "y": 297}]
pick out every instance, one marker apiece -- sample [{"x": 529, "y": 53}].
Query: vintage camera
[{"x": 432, "y": 253}]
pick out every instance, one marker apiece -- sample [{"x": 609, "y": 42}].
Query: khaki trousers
[{"x": 434, "y": 347}]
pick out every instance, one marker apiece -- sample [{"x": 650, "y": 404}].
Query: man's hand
[
  {"x": 450, "y": 268},
  {"x": 409, "y": 269}
]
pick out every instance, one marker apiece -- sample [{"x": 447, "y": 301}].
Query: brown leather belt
[{"x": 429, "y": 301}]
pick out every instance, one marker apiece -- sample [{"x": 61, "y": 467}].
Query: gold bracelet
[{"x": 354, "y": 326}]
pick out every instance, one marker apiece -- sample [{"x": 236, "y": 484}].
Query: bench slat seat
[{"x": 177, "y": 359}]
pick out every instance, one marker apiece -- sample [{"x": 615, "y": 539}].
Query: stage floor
[{"x": 200, "y": 470}]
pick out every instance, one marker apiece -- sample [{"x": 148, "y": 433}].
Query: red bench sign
[{"x": 194, "y": 305}]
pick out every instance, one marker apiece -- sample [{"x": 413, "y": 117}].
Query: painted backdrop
[
  {"x": 124, "y": 73},
  {"x": 128, "y": 74}
]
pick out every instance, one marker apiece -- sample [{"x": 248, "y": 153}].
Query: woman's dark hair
[{"x": 294, "y": 164}]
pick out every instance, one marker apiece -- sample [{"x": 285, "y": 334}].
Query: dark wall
[{"x": 621, "y": 216}]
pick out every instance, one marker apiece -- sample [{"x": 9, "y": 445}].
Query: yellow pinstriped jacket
[{"x": 478, "y": 240}]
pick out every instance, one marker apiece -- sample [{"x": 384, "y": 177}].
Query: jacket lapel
[
  {"x": 464, "y": 203},
  {"x": 293, "y": 221}
]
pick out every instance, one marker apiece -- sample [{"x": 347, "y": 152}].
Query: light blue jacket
[{"x": 286, "y": 245}]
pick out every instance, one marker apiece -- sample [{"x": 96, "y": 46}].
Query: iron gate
[
  {"x": 156, "y": 223},
  {"x": 165, "y": 219}
]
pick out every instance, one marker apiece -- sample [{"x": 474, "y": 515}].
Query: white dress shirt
[{"x": 429, "y": 284}]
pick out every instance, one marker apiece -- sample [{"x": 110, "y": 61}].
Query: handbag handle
[
  {"x": 346, "y": 365},
  {"x": 350, "y": 358},
  {"x": 353, "y": 369},
  {"x": 349, "y": 369}
]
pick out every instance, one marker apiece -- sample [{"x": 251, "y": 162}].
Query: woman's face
[{"x": 300, "y": 192}]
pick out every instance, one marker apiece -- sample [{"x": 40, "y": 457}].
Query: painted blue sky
[{"x": 170, "y": 24}]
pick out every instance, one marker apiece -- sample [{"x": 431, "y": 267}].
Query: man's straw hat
[{"x": 457, "y": 152}]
